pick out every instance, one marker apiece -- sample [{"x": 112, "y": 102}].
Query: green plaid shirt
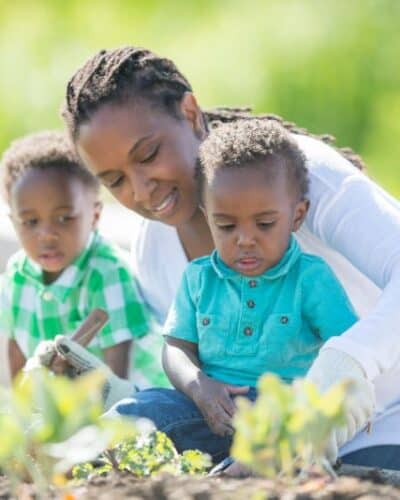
[{"x": 32, "y": 311}]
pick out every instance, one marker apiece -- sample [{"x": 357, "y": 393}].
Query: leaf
[{"x": 275, "y": 434}]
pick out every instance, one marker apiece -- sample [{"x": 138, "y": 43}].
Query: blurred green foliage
[
  {"x": 286, "y": 431},
  {"x": 48, "y": 424},
  {"x": 329, "y": 65}
]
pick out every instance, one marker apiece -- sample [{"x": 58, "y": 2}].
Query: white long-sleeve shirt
[{"x": 355, "y": 226}]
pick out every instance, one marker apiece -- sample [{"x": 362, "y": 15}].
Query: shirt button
[
  {"x": 47, "y": 296},
  {"x": 206, "y": 321},
  {"x": 252, "y": 283},
  {"x": 284, "y": 320},
  {"x": 251, "y": 304},
  {"x": 248, "y": 331}
]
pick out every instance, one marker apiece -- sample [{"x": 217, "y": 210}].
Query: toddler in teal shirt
[{"x": 258, "y": 303}]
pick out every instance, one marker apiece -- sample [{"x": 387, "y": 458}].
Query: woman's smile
[{"x": 167, "y": 204}]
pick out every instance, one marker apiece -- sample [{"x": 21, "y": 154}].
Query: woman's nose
[{"x": 142, "y": 187}]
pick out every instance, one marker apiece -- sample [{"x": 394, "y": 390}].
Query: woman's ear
[
  {"x": 193, "y": 114},
  {"x": 300, "y": 214}
]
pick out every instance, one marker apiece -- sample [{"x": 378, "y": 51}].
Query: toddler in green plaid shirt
[{"x": 66, "y": 269}]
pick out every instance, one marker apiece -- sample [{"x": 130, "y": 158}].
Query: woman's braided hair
[{"x": 115, "y": 76}]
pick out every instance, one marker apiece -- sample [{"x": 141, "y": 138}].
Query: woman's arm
[{"x": 357, "y": 218}]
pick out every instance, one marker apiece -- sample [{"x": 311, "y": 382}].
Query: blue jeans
[
  {"x": 385, "y": 457},
  {"x": 175, "y": 414}
]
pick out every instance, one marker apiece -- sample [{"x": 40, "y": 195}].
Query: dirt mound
[{"x": 125, "y": 486}]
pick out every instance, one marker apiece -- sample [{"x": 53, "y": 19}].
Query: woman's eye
[
  {"x": 150, "y": 155},
  {"x": 115, "y": 182}
]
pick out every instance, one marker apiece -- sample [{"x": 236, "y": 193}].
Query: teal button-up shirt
[{"x": 246, "y": 326}]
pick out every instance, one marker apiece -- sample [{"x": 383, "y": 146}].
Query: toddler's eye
[
  {"x": 29, "y": 222},
  {"x": 265, "y": 225},
  {"x": 64, "y": 219},
  {"x": 226, "y": 227}
]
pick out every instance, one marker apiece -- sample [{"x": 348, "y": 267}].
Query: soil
[{"x": 118, "y": 486}]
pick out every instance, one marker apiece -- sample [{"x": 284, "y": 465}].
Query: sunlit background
[{"x": 328, "y": 65}]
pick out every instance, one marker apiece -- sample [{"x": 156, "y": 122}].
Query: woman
[{"x": 136, "y": 125}]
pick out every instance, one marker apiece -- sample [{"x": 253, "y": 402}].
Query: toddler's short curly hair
[
  {"x": 245, "y": 143},
  {"x": 43, "y": 150}
]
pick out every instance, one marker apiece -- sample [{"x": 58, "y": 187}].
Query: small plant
[
  {"x": 146, "y": 455},
  {"x": 287, "y": 428},
  {"x": 49, "y": 423}
]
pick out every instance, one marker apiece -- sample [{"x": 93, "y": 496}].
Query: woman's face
[{"x": 145, "y": 157}]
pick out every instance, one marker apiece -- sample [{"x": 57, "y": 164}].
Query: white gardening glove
[
  {"x": 82, "y": 361},
  {"x": 332, "y": 366},
  {"x": 115, "y": 388},
  {"x": 43, "y": 356}
]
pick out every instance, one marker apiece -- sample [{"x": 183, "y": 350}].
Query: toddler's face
[
  {"x": 53, "y": 214},
  {"x": 251, "y": 217}
]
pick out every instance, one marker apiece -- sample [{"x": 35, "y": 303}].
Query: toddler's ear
[
  {"x": 300, "y": 214},
  {"x": 98, "y": 207}
]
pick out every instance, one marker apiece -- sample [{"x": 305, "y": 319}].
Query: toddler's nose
[
  {"x": 47, "y": 232},
  {"x": 246, "y": 238}
]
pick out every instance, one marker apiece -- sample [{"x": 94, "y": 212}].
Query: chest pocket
[
  {"x": 213, "y": 331},
  {"x": 279, "y": 342}
]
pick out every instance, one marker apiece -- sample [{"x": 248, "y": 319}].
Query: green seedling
[
  {"x": 286, "y": 430},
  {"x": 50, "y": 423},
  {"x": 146, "y": 455}
]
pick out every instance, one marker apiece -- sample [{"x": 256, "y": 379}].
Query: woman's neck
[{"x": 195, "y": 236}]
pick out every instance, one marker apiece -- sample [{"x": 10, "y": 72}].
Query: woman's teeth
[{"x": 165, "y": 203}]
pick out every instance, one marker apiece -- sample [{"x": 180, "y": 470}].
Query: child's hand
[
  {"x": 83, "y": 361},
  {"x": 214, "y": 400},
  {"x": 44, "y": 355}
]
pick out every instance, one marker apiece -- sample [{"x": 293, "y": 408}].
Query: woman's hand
[
  {"x": 214, "y": 400},
  {"x": 333, "y": 366}
]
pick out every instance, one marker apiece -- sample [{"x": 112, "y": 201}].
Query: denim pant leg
[
  {"x": 175, "y": 414},
  {"x": 384, "y": 456}
]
